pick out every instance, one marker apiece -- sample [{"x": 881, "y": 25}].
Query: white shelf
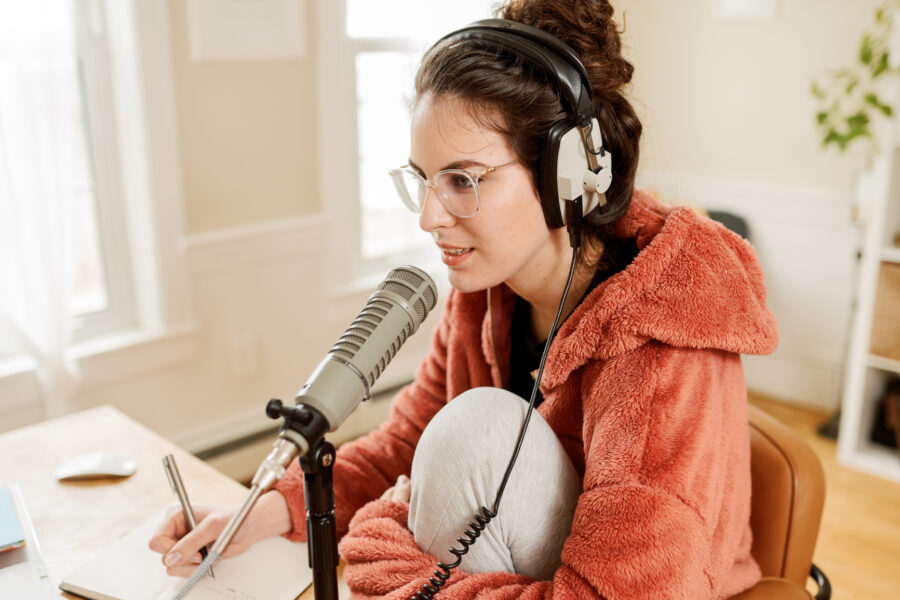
[
  {"x": 890, "y": 254},
  {"x": 885, "y": 364},
  {"x": 868, "y": 373}
]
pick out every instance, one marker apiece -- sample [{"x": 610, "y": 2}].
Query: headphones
[{"x": 575, "y": 169}]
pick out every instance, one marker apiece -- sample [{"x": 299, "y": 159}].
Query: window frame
[
  {"x": 100, "y": 130},
  {"x": 338, "y": 139}
]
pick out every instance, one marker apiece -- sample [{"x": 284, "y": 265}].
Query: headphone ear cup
[
  {"x": 551, "y": 202},
  {"x": 566, "y": 176}
]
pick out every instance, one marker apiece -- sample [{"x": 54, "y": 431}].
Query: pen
[{"x": 178, "y": 487}]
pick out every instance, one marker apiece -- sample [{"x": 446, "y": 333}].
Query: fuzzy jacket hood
[{"x": 694, "y": 284}]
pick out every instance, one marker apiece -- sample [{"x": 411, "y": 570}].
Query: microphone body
[{"x": 345, "y": 377}]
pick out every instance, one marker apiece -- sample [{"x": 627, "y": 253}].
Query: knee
[{"x": 475, "y": 419}]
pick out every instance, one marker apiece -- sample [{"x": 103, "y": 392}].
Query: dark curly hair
[{"x": 517, "y": 99}]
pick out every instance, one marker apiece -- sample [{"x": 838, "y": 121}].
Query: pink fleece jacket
[{"x": 644, "y": 388}]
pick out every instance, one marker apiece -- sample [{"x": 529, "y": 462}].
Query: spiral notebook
[{"x": 273, "y": 569}]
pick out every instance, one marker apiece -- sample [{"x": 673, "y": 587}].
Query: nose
[{"x": 434, "y": 215}]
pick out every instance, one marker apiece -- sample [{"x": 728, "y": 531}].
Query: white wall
[{"x": 730, "y": 100}]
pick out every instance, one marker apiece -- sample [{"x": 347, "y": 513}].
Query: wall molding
[
  {"x": 240, "y": 247},
  {"x": 826, "y": 209}
]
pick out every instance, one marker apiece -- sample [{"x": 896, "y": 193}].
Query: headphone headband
[
  {"x": 571, "y": 176},
  {"x": 543, "y": 49}
]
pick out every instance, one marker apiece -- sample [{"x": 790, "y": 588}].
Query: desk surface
[{"x": 75, "y": 520}]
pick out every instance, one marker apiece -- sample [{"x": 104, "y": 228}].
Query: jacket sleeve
[
  {"x": 632, "y": 536},
  {"x": 366, "y": 467}
]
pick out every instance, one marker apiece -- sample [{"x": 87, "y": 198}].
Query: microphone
[
  {"x": 346, "y": 375},
  {"x": 342, "y": 380}
]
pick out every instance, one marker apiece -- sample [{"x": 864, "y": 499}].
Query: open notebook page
[{"x": 273, "y": 569}]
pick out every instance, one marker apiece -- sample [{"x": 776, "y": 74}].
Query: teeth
[{"x": 457, "y": 252}]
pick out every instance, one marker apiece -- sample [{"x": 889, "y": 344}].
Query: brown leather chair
[{"x": 786, "y": 508}]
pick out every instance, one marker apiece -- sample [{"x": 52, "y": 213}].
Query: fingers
[
  {"x": 182, "y": 556},
  {"x": 185, "y": 568},
  {"x": 400, "y": 492},
  {"x": 170, "y": 529}
]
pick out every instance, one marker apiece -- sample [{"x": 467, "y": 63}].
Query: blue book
[{"x": 11, "y": 535}]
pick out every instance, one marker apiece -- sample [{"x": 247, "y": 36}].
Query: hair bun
[{"x": 585, "y": 25}]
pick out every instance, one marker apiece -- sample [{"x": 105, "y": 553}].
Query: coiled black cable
[{"x": 482, "y": 519}]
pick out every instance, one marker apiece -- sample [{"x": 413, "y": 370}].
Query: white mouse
[{"x": 96, "y": 465}]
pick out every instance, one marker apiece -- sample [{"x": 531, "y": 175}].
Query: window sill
[{"x": 102, "y": 362}]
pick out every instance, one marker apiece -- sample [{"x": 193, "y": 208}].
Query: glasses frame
[{"x": 473, "y": 175}]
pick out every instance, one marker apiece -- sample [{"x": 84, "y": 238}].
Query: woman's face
[{"x": 507, "y": 240}]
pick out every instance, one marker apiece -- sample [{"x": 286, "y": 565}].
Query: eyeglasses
[{"x": 457, "y": 189}]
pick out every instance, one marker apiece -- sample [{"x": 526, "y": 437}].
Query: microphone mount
[{"x": 299, "y": 420}]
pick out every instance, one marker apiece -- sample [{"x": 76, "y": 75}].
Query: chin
[{"x": 468, "y": 282}]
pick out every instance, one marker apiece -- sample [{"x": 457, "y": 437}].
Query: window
[
  {"x": 102, "y": 289},
  {"x": 366, "y": 76},
  {"x": 99, "y": 112},
  {"x": 59, "y": 165}
]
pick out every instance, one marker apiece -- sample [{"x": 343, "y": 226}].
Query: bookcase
[{"x": 874, "y": 356}]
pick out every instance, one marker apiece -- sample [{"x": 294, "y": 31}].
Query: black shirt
[{"x": 526, "y": 350}]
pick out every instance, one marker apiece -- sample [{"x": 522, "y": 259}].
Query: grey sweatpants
[{"x": 458, "y": 466}]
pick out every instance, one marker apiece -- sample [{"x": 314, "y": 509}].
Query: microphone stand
[
  {"x": 318, "y": 490},
  {"x": 321, "y": 532}
]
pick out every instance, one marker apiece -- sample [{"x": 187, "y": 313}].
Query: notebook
[
  {"x": 273, "y": 569},
  {"x": 11, "y": 535},
  {"x": 22, "y": 572}
]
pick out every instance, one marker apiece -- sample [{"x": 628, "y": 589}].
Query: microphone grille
[
  {"x": 419, "y": 292},
  {"x": 412, "y": 279}
]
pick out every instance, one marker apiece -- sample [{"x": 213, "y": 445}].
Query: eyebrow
[{"x": 457, "y": 164}]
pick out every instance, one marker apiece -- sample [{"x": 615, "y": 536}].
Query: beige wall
[
  {"x": 731, "y": 100},
  {"x": 248, "y": 135},
  {"x": 718, "y": 100}
]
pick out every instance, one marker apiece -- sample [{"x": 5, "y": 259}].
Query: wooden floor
[{"x": 859, "y": 539}]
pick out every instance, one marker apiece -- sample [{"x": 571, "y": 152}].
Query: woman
[{"x": 634, "y": 477}]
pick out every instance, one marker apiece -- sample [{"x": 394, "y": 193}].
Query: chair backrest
[{"x": 788, "y": 487}]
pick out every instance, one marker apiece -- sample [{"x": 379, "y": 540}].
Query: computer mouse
[{"x": 96, "y": 465}]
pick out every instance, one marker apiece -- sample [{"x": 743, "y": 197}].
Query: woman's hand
[
  {"x": 400, "y": 492},
  {"x": 181, "y": 549}
]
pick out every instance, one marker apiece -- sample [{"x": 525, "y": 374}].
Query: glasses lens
[
  {"x": 410, "y": 188},
  {"x": 459, "y": 192}
]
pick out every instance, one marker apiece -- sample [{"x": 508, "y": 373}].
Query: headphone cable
[{"x": 482, "y": 519}]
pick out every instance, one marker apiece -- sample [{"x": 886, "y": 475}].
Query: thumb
[{"x": 187, "y": 549}]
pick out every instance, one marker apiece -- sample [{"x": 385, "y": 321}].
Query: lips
[{"x": 453, "y": 256}]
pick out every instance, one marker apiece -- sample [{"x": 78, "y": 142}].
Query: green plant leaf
[
  {"x": 858, "y": 121},
  {"x": 881, "y": 65},
  {"x": 817, "y": 91},
  {"x": 852, "y": 85},
  {"x": 865, "y": 50},
  {"x": 821, "y": 117},
  {"x": 873, "y": 100}
]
